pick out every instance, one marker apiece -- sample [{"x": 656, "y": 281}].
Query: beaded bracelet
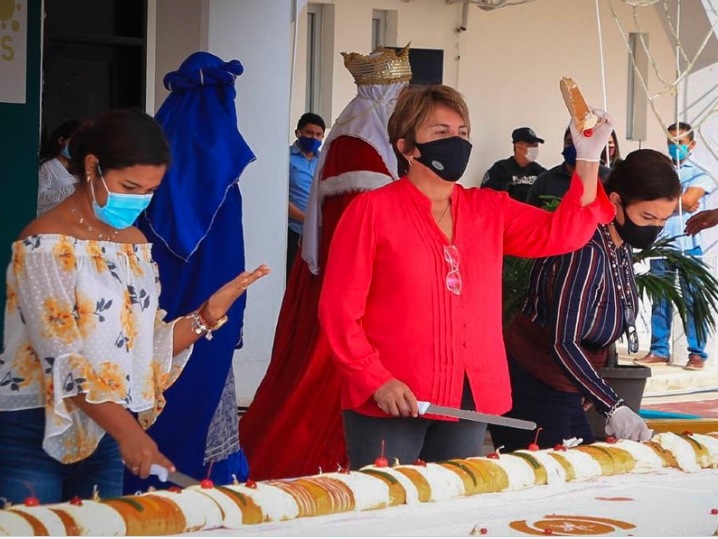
[
  {"x": 612, "y": 409},
  {"x": 201, "y": 325}
]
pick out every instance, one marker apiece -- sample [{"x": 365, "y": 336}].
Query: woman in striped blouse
[{"x": 580, "y": 303}]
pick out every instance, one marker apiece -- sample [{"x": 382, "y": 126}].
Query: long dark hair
[
  {"x": 644, "y": 175},
  {"x": 119, "y": 139},
  {"x": 616, "y": 156},
  {"x": 51, "y": 147}
]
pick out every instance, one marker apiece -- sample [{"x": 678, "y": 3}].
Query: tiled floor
[
  {"x": 672, "y": 389},
  {"x": 700, "y": 408}
]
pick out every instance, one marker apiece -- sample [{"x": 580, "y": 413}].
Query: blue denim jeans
[
  {"x": 26, "y": 470},
  {"x": 662, "y": 314}
]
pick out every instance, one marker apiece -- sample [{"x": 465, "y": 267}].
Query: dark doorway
[
  {"x": 93, "y": 59},
  {"x": 427, "y": 65}
]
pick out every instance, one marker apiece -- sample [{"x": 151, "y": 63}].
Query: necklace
[
  {"x": 623, "y": 286},
  {"x": 446, "y": 211},
  {"x": 90, "y": 228}
]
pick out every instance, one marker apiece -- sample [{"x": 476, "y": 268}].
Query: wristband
[
  {"x": 612, "y": 409},
  {"x": 200, "y": 324}
]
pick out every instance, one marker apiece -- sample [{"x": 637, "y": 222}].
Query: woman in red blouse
[{"x": 411, "y": 303}]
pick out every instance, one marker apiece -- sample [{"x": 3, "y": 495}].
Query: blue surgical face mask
[
  {"x": 65, "y": 152},
  {"x": 569, "y": 155},
  {"x": 679, "y": 152},
  {"x": 309, "y": 144},
  {"x": 121, "y": 210}
]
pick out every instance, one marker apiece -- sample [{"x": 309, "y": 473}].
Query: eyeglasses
[
  {"x": 453, "y": 278},
  {"x": 630, "y": 328}
]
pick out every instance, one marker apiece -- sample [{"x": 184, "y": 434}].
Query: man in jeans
[{"x": 697, "y": 185}]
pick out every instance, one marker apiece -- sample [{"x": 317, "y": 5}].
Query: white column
[{"x": 257, "y": 33}]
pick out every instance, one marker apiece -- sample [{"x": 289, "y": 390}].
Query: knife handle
[
  {"x": 160, "y": 471},
  {"x": 423, "y": 406}
]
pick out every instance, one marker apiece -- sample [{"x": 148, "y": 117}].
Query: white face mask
[{"x": 532, "y": 154}]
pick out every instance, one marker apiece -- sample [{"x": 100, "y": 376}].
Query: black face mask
[
  {"x": 640, "y": 237},
  {"x": 447, "y": 157}
]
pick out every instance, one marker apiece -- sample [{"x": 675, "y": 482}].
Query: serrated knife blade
[{"x": 428, "y": 408}]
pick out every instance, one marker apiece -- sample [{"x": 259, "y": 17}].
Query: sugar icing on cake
[{"x": 373, "y": 487}]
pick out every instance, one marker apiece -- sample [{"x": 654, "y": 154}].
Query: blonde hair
[{"x": 414, "y": 105}]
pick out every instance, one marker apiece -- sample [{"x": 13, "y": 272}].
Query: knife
[
  {"x": 173, "y": 477},
  {"x": 428, "y": 408}
]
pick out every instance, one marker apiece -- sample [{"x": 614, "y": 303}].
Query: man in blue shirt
[
  {"x": 303, "y": 159},
  {"x": 697, "y": 185}
]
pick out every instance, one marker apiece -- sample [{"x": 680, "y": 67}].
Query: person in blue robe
[{"x": 195, "y": 225}]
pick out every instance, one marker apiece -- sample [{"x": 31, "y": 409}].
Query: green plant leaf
[{"x": 692, "y": 271}]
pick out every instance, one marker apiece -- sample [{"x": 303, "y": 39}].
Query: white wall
[
  {"x": 257, "y": 33},
  {"x": 178, "y": 35},
  {"x": 507, "y": 64}
]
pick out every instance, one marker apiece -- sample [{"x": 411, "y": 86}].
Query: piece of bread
[
  {"x": 690, "y": 455},
  {"x": 39, "y": 519},
  {"x": 576, "y": 105},
  {"x": 519, "y": 472},
  {"x": 490, "y": 476},
  {"x": 13, "y": 524},
  {"x": 200, "y": 512},
  {"x": 148, "y": 514},
  {"x": 669, "y": 460},
  {"x": 43, "y": 519},
  {"x": 711, "y": 445},
  {"x": 531, "y": 457},
  {"x": 414, "y": 486},
  {"x": 330, "y": 496},
  {"x": 550, "y": 471},
  {"x": 466, "y": 474},
  {"x": 237, "y": 510},
  {"x": 645, "y": 457},
  {"x": 370, "y": 492},
  {"x": 564, "y": 462},
  {"x": 394, "y": 480},
  {"x": 582, "y": 465},
  {"x": 444, "y": 484},
  {"x": 90, "y": 518},
  {"x": 613, "y": 461},
  {"x": 272, "y": 503},
  {"x": 702, "y": 454}
]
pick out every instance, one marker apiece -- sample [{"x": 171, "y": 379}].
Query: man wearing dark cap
[{"x": 517, "y": 174}]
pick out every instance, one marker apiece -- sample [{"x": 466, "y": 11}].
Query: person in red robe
[{"x": 293, "y": 427}]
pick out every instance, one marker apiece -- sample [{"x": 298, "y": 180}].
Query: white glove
[
  {"x": 590, "y": 148},
  {"x": 626, "y": 424}
]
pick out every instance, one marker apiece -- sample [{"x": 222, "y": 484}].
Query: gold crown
[{"x": 383, "y": 66}]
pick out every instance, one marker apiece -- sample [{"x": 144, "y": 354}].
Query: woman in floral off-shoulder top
[{"x": 87, "y": 352}]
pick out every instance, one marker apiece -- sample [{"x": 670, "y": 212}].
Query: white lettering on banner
[
  {"x": 13, "y": 50},
  {"x": 516, "y": 180}
]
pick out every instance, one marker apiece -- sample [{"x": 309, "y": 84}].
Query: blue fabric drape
[{"x": 195, "y": 224}]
